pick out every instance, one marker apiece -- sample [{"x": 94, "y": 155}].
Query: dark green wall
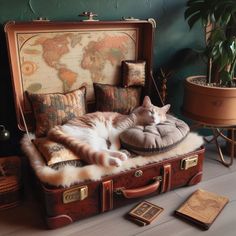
[{"x": 172, "y": 38}]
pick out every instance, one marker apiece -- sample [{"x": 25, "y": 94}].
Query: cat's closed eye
[{"x": 151, "y": 112}]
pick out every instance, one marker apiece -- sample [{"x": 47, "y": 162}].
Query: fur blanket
[{"x": 69, "y": 175}]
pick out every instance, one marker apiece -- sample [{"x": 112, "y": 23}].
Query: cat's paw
[
  {"x": 122, "y": 156},
  {"x": 117, "y": 154},
  {"x": 128, "y": 154},
  {"x": 115, "y": 162}
]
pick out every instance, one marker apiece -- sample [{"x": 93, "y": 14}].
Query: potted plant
[{"x": 211, "y": 99}]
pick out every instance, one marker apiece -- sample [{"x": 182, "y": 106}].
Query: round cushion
[{"x": 147, "y": 140}]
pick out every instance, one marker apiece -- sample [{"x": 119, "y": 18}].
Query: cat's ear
[
  {"x": 166, "y": 108},
  {"x": 147, "y": 102}
]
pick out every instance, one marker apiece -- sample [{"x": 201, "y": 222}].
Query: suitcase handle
[{"x": 139, "y": 192}]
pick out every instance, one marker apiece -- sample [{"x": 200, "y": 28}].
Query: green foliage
[{"x": 221, "y": 44}]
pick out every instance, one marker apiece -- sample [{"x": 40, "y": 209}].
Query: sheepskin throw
[{"x": 68, "y": 175}]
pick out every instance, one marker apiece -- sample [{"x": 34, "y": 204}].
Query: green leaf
[
  {"x": 220, "y": 48},
  {"x": 191, "y": 11},
  {"x": 231, "y": 50},
  {"x": 225, "y": 77},
  {"x": 216, "y": 37},
  {"x": 193, "y": 19},
  {"x": 223, "y": 60},
  {"x": 226, "y": 17},
  {"x": 233, "y": 46},
  {"x": 216, "y": 53}
]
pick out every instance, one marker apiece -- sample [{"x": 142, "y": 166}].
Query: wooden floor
[{"x": 27, "y": 220}]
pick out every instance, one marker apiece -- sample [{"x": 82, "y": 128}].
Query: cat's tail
[{"x": 82, "y": 149}]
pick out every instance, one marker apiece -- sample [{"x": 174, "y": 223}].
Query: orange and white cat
[{"x": 94, "y": 137}]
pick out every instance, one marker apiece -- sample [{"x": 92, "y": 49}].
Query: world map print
[{"x": 66, "y": 60}]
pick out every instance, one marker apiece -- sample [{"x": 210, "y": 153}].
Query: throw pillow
[
  {"x": 133, "y": 73},
  {"x": 56, "y": 108},
  {"x": 117, "y": 99},
  {"x": 56, "y": 154}
]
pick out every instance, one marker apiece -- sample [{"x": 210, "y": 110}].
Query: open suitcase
[{"x": 83, "y": 198}]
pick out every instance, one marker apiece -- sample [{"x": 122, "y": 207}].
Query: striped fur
[{"x": 94, "y": 137}]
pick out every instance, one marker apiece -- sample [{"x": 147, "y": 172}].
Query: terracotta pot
[{"x": 209, "y": 105}]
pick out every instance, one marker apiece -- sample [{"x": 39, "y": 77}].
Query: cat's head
[{"x": 148, "y": 114}]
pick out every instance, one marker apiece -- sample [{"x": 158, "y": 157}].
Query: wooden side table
[{"x": 10, "y": 182}]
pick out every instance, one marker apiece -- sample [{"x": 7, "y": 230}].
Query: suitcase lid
[{"x": 52, "y": 57}]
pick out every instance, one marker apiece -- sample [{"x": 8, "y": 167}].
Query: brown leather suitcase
[{"x": 64, "y": 205}]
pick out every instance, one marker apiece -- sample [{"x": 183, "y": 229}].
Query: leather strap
[
  {"x": 107, "y": 195},
  {"x": 139, "y": 192},
  {"x": 166, "y": 182},
  {"x": 23, "y": 118},
  {"x": 157, "y": 90}
]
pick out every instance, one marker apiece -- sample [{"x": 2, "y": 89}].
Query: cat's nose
[
  {"x": 156, "y": 120},
  {"x": 152, "y": 120}
]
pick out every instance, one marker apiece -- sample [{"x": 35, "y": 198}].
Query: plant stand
[{"x": 219, "y": 132}]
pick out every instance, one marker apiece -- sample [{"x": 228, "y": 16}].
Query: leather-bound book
[
  {"x": 202, "y": 208},
  {"x": 144, "y": 213}
]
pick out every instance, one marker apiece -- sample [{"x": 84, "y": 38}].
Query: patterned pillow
[
  {"x": 117, "y": 99},
  {"x": 56, "y": 108},
  {"x": 56, "y": 154},
  {"x": 133, "y": 73}
]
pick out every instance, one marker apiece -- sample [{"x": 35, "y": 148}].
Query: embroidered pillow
[
  {"x": 133, "y": 73},
  {"x": 117, "y": 99},
  {"x": 56, "y": 154},
  {"x": 56, "y": 108}
]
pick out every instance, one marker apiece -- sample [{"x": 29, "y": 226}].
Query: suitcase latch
[
  {"x": 75, "y": 194},
  {"x": 189, "y": 162},
  {"x": 138, "y": 173}
]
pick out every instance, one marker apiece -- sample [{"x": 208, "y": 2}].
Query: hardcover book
[
  {"x": 144, "y": 213},
  {"x": 202, "y": 207}
]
